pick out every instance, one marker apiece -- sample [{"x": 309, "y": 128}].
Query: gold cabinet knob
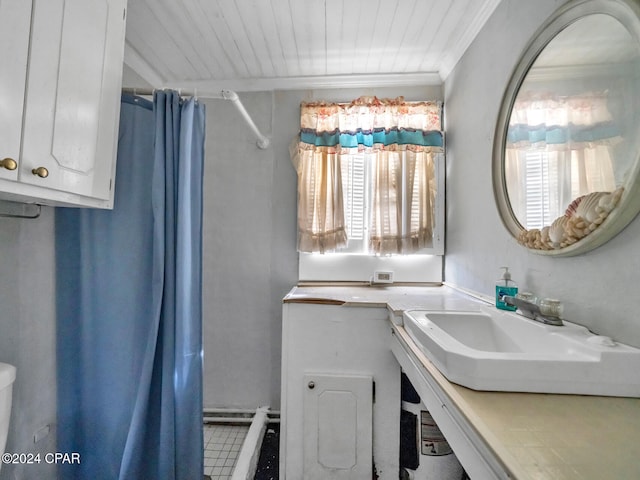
[
  {"x": 40, "y": 172},
  {"x": 8, "y": 163}
]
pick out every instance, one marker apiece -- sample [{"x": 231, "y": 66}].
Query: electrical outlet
[{"x": 381, "y": 276}]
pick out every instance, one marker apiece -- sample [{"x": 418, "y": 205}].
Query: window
[
  {"x": 356, "y": 191},
  {"x": 370, "y": 188},
  {"x": 358, "y": 185}
]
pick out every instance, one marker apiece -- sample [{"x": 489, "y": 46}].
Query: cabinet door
[
  {"x": 15, "y": 20},
  {"x": 73, "y": 95},
  {"x": 338, "y": 426}
]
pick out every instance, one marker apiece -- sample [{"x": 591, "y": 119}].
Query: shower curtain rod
[{"x": 262, "y": 142}]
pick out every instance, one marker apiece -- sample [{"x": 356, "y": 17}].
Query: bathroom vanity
[
  {"x": 340, "y": 341},
  {"x": 340, "y": 391}
]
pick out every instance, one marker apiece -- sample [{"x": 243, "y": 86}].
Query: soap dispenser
[{"x": 505, "y": 286}]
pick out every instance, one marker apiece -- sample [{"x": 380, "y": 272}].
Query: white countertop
[
  {"x": 536, "y": 436},
  {"x": 396, "y": 298}
]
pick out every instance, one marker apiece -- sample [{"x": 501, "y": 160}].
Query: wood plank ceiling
[{"x": 249, "y": 45}]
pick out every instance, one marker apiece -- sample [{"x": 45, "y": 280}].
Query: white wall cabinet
[
  {"x": 340, "y": 402},
  {"x": 64, "y": 99},
  {"x": 15, "y": 20}
]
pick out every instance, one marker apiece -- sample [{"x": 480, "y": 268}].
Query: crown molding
[{"x": 315, "y": 82}]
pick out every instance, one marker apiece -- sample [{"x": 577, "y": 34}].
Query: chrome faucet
[{"x": 531, "y": 310}]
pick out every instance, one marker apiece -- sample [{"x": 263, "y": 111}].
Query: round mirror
[{"x": 566, "y": 163}]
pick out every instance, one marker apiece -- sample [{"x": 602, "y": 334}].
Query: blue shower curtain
[{"x": 129, "y": 335}]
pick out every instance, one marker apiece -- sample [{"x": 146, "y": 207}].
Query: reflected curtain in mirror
[{"x": 557, "y": 150}]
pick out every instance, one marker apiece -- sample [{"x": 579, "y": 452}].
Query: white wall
[
  {"x": 240, "y": 329},
  {"x": 27, "y": 336},
  {"x": 599, "y": 288},
  {"x": 250, "y": 258}
]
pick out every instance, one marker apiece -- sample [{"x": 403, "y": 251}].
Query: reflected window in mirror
[{"x": 558, "y": 149}]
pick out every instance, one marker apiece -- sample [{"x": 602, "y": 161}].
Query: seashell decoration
[
  {"x": 544, "y": 235},
  {"x": 571, "y": 209},
  {"x": 588, "y": 206},
  {"x": 584, "y": 215},
  {"x": 608, "y": 202},
  {"x": 557, "y": 231}
]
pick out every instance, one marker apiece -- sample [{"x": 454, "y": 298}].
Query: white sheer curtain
[
  {"x": 558, "y": 149},
  {"x": 321, "y": 222},
  {"x": 403, "y": 201}
]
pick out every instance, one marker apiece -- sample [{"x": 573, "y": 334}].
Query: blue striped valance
[
  {"x": 520, "y": 134},
  {"x": 369, "y": 122},
  {"x": 539, "y": 118},
  {"x": 369, "y": 138}
]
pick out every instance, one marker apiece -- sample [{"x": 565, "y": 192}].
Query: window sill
[{"x": 336, "y": 267}]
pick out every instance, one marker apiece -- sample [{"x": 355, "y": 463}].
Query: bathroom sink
[{"x": 489, "y": 349}]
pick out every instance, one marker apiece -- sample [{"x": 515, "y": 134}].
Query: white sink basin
[{"x": 489, "y": 349}]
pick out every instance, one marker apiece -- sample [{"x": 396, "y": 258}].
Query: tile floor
[{"x": 222, "y": 444}]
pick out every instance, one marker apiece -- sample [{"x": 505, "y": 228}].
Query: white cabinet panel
[
  {"x": 15, "y": 19},
  {"x": 72, "y": 98},
  {"x": 338, "y": 425},
  {"x": 60, "y": 99},
  {"x": 340, "y": 344}
]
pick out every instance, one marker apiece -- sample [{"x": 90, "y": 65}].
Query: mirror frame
[{"x": 627, "y": 12}]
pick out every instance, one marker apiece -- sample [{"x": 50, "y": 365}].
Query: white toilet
[{"x": 7, "y": 376}]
